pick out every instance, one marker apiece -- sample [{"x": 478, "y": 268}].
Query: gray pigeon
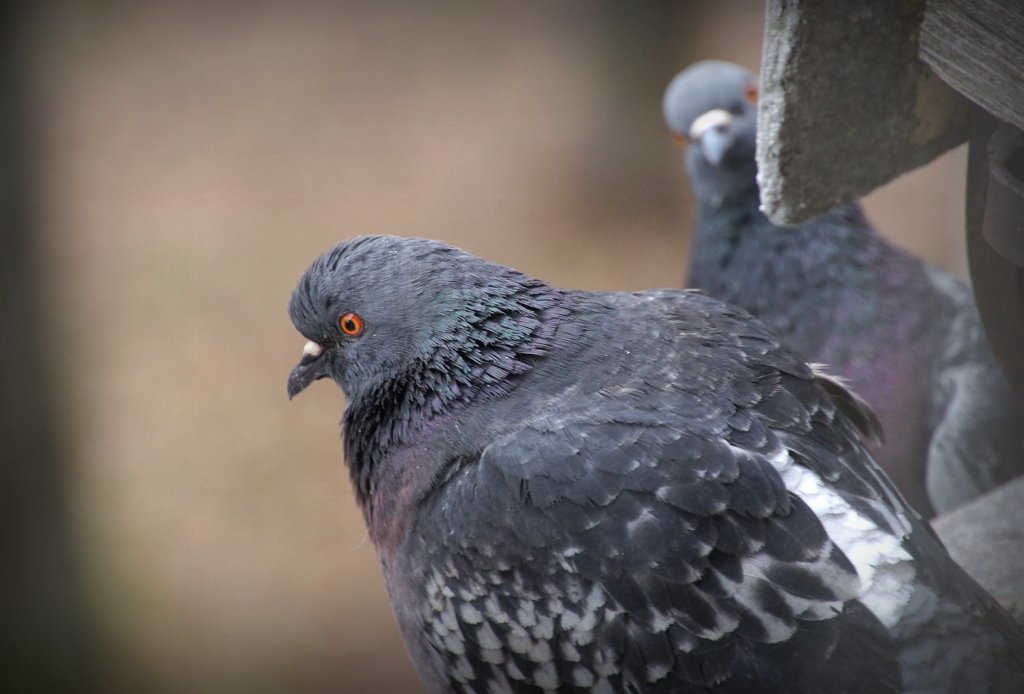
[
  {"x": 906, "y": 336},
  {"x": 612, "y": 492}
]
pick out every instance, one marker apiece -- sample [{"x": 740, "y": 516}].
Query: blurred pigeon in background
[
  {"x": 610, "y": 492},
  {"x": 906, "y": 336}
]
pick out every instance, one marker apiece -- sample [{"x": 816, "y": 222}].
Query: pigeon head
[
  {"x": 411, "y": 328},
  {"x": 362, "y": 317},
  {"x": 711, "y": 108}
]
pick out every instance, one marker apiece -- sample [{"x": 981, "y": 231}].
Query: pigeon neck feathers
[
  {"x": 731, "y": 183},
  {"x": 494, "y": 325}
]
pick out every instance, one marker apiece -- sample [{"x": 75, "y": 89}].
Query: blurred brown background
[{"x": 188, "y": 160}]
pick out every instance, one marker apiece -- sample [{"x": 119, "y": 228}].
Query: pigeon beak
[
  {"x": 711, "y": 130},
  {"x": 311, "y": 367}
]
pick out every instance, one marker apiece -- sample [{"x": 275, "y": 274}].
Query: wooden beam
[
  {"x": 995, "y": 208},
  {"x": 846, "y": 104}
]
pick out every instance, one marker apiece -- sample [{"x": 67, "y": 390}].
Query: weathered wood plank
[
  {"x": 977, "y": 46},
  {"x": 846, "y": 104},
  {"x": 996, "y": 562}
]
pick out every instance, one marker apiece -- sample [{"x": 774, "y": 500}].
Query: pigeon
[
  {"x": 905, "y": 335},
  {"x": 579, "y": 491}
]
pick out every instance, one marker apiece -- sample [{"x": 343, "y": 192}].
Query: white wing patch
[
  {"x": 885, "y": 568},
  {"x": 777, "y": 629}
]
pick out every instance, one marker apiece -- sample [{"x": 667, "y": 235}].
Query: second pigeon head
[{"x": 711, "y": 108}]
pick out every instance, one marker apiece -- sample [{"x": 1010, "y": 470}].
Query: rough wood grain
[{"x": 977, "y": 46}]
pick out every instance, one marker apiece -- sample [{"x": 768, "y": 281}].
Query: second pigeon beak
[{"x": 711, "y": 130}]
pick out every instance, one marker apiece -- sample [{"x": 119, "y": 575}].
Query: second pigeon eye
[{"x": 351, "y": 324}]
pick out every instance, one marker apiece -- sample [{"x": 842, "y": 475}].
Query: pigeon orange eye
[
  {"x": 351, "y": 324},
  {"x": 750, "y": 91}
]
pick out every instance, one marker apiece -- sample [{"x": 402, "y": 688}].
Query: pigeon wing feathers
[{"x": 673, "y": 544}]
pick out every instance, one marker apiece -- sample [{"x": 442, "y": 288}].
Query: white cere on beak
[
  {"x": 312, "y": 349},
  {"x": 707, "y": 121}
]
